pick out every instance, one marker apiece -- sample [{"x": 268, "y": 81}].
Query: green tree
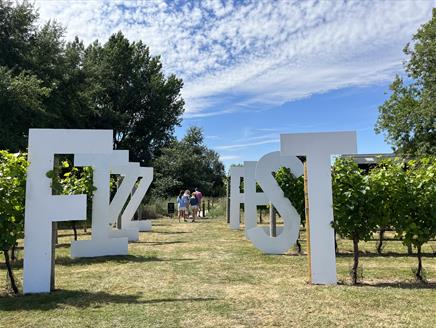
[
  {"x": 352, "y": 211},
  {"x": 187, "y": 164},
  {"x": 117, "y": 85},
  {"x": 418, "y": 224},
  {"x": 132, "y": 96},
  {"x": 12, "y": 194},
  {"x": 21, "y": 105},
  {"x": 388, "y": 186},
  {"x": 408, "y": 117}
]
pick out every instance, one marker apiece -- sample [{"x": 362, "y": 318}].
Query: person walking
[
  {"x": 185, "y": 203},
  {"x": 193, "y": 202},
  {"x": 199, "y": 196},
  {"x": 180, "y": 209}
]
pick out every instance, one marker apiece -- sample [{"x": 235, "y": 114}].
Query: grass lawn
[{"x": 205, "y": 275}]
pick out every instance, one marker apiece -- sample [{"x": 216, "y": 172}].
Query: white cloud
[
  {"x": 268, "y": 52},
  {"x": 229, "y": 157},
  {"x": 249, "y": 144}
]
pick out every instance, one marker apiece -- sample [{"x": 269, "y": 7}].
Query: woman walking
[
  {"x": 184, "y": 203},
  {"x": 181, "y": 205},
  {"x": 193, "y": 201}
]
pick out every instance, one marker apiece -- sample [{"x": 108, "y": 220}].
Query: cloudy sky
[{"x": 255, "y": 69}]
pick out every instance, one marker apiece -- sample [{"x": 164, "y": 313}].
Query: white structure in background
[
  {"x": 236, "y": 197},
  {"x": 90, "y": 148},
  {"x": 288, "y": 234},
  {"x": 43, "y": 208},
  {"x": 251, "y": 197},
  {"x": 102, "y": 242},
  {"x": 131, "y": 173},
  {"x": 318, "y": 148}
]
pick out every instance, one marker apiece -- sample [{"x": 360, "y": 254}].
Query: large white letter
[
  {"x": 43, "y": 208},
  {"x": 318, "y": 148},
  {"x": 287, "y": 236},
  {"x": 101, "y": 243},
  {"x": 236, "y": 197},
  {"x": 146, "y": 175},
  {"x": 251, "y": 198}
]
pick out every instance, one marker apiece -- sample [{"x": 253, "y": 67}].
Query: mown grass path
[{"x": 205, "y": 275}]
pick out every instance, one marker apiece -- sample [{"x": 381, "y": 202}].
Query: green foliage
[
  {"x": 132, "y": 96},
  {"x": 352, "y": 210},
  {"x": 293, "y": 188},
  {"x": 408, "y": 117},
  {"x": 418, "y": 224},
  {"x": 12, "y": 194},
  {"x": 48, "y": 83},
  {"x": 187, "y": 164},
  {"x": 388, "y": 191}
]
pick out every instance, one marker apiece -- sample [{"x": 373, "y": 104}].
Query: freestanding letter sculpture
[
  {"x": 288, "y": 235},
  {"x": 318, "y": 148},
  {"x": 43, "y": 208},
  {"x": 236, "y": 197},
  {"x": 101, "y": 243}
]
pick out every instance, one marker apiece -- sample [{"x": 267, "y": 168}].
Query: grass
[{"x": 205, "y": 275}]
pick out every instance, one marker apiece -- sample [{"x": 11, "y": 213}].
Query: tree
[
  {"x": 12, "y": 194},
  {"x": 21, "y": 106},
  {"x": 187, "y": 164},
  {"x": 418, "y": 224},
  {"x": 408, "y": 117},
  {"x": 132, "y": 96},
  {"x": 117, "y": 85},
  {"x": 352, "y": 210},
  {"x": 387, "y": 183}
]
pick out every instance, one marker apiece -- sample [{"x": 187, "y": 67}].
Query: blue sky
[{"x": 255, "y": 69}]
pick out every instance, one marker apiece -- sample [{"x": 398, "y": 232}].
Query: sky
[{"x": 255, "y": 69}]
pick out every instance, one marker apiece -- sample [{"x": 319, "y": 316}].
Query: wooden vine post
[{"x": 306, "y": 211}]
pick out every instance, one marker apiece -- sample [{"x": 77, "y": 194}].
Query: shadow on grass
[
  {"x": 171, "y": 232},
  {"x": 386, "y": 254},
  {"x": 157, "y": 243},
  {"x": 88, "y": 233},
  {"x": 400, "y": 285},
  {"x": 66, "y": 261},
  {"x": 81, "y": 299}
]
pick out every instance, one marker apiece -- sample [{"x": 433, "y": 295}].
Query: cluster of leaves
[
  {"x": 187, "y": 164},
  {"x": 408, "y": 117},
  {"x": 13, "y": 169},
  {"x": 293, "y": 188},
  {"x": 395, "y": 193}
]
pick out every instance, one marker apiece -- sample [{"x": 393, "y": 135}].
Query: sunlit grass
[{"x": 205, "y": 275}]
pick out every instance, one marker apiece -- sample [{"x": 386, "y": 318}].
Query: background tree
[
  {"x": 48, "y": 83},
  {"x": 132, "y": 96},
  {"x": 408, "y": 117},
  {"x": 187, "y": 164},
  {"x": 352, "y": 210},
  {"x": 12, "y": 194}
]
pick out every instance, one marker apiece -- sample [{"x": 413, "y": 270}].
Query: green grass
[{"x": 205, "y": 275}]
